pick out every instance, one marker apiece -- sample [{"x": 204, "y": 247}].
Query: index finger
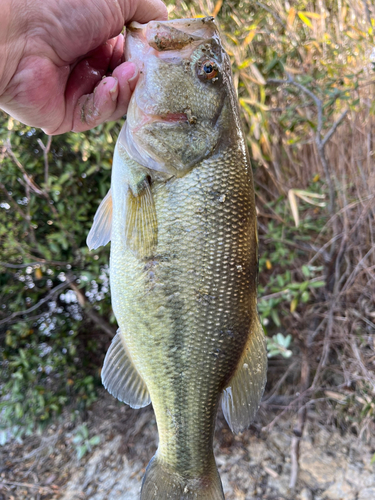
[{"x": 144, "y": 11}]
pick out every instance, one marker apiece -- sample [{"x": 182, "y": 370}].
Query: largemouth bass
[{"x": 181, "y": 218}]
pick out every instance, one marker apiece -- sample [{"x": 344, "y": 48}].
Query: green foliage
[
  {"x": 285, "y": 282},
  {"x": 83, "y": 443},
  {"x": 279, "y": 344},
  {"x": 50, "y": 351}
]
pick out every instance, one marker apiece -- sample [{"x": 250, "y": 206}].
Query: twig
[
  {"x": 367, "y": 10},
  {"x": 287, "y": 408},
  {"x": 334, "y": 127},
  {"x": 25, "y": 485},
  {"x": 363, "y": 318},
  {"x": 100, "y": 322},
  {"x": 276, "y": 215},
  {"x": 37, "y": 190},
  {"x": 275, "y": 295},
  {"x": 354, "y": 272},
  {"x": 321, "y": 250},
  {"x": 326, "y": 345},
  {"x": 35, "y": 264},
  {"x": 96, "y": 318},
  {"x": 45, "y": 299},
  {"x": 364, "y": 370},
  {"x": 29, "y": 181},
  {"x": 278, "y": 19},
  {"x": 30, "y": 319},
  {"x": 306, "y": 247},
  {"x": 45, "y": 442},
  {"x": 320, "y": 141},
  {"x": 280, "y": 382},
  {"x": 298, "y": 430},
  {"x": 46, "y": 148}
]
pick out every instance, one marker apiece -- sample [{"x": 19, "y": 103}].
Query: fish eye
[{"x": 208, "y": 70}]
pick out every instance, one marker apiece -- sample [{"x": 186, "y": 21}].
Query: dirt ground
[{"x": 253, "y": 466}]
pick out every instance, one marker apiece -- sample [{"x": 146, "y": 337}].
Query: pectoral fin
[
  {"x": 141, "y": 232},
  {"x": 100, "y": 232},
  {"x": 241, "y": 399},
  {"x": 121, "y": 378}
]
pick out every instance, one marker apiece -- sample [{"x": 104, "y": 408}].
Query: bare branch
[
  {"x": 35, "y": 264},
  {"x": 327, "y": 171},
  {"x": 100, "y": 322},
  {"x": 289, "y": 407},
  {"x": 45, "y": 299},
  {"x": 299, "y": 428},
  {"x": 368, "y": 376},
  {"x": 29, "y": 181},
  {"x": 46, "y": 148},
  {"x": 88, "y": 309},
  {"x": 320, "y": 143},
  {"x": 367, "y": 10},
  {"x": 332, "y": 130},
  {"x": 318, "y": 102},
  {"x": 276, "y": 81},
  {"x": 276, "y": 16}
]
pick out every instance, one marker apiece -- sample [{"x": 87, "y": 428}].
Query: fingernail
[
  {"x": 130, "y": 72},
  {"x": 114, "y": 90}
]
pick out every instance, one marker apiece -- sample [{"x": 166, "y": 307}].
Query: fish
[{"x": 181, "y": 218}]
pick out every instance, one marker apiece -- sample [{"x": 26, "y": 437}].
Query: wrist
[{"x": 12, "y": 40}]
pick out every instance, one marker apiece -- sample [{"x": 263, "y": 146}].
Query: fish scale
[
  {"x": 183, "y": 266},
  {"x": 211, "y": 241}
]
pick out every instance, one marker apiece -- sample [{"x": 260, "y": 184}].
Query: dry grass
[{"x": 335, "y": 335}]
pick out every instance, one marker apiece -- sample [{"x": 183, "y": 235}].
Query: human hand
[{"x": 55, "y": 58}]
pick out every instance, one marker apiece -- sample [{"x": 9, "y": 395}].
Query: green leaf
[
  {"x": 306, "y": 271},
  {"x": 94, "y": 441},
  {"x": 81, "y": 451},
  {"x": 275, "y": 317},
  {"x": 317, "y": 284}
]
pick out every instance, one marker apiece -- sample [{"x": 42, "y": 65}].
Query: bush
[{"x": 54, "y": 293}]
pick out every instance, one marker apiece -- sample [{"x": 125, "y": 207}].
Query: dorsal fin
[
  {"x": 121, "y": 378},
  {"x": 100, "y": 232},
  {"x": 241, "y": 399}
]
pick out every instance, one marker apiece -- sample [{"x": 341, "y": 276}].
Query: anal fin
[
  {"x": 100, "y": 232},
  {"x": 241, "y": 399},
  {"x": 121, "y": 378}
]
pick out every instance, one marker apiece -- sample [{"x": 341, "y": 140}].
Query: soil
[{"x": 253, "y": 466}]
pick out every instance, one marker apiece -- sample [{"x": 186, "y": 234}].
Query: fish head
[{"x": 176, "y": 114}]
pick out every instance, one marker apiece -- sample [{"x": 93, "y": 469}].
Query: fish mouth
[
  {"x": 170, "y": 119},
  {"x": 174, "y": 35}
]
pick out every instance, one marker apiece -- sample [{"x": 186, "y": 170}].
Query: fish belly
[{"x": 185, "y": 313}]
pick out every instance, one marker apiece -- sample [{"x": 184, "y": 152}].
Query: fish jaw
[
  {"x": 179, "y": 98},
  {"x": 175, "y": 35}
]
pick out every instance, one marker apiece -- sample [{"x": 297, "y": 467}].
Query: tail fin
[{"x": 162, "y": 483}]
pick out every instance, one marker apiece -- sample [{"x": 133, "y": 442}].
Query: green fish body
[{"x": 182, "y": 223}]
